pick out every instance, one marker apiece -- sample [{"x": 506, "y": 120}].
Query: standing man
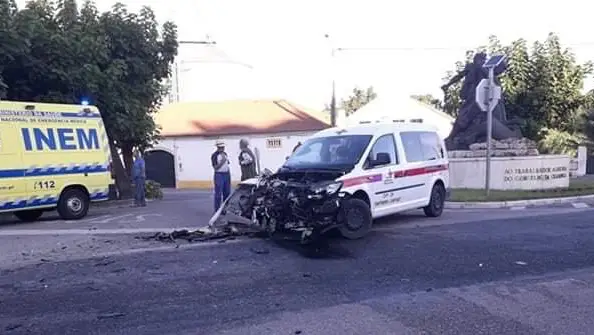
[
  {"x": 139, "y": 179},
  {"x": 222, "y": 175},
  {"x": 247, "y": 160}
]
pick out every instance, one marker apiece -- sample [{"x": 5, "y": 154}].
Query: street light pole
[
  {"x": 176, "y": 64},
  {"x": 333, "y": 100}
]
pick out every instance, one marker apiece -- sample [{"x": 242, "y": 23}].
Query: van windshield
[{"x": 333, "y": 152}]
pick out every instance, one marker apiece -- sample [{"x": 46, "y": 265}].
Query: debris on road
[
  {"x": 260, "y": 251},
  {"x": 105, "y": 262},
  {"x": 110, "y": 315},
  {"x": 223, "y": 234},
  {"x": 12, "y": 327}
]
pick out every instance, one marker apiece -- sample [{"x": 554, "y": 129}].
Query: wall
[
  {"x": 508, "y": 173},
  {"x": 192, "y": 155}
]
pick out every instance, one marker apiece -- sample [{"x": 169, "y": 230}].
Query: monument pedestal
[
  {"x": 512, "y": 172},
  {"x": 515, "y": 165}
]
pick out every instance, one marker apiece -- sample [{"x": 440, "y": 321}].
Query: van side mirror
[{"x": 382, "y": 158}]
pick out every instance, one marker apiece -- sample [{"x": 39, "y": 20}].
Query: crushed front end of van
[{"x": 307, "y": 203}]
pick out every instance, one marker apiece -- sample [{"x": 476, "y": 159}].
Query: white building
[
  {"x": 389, "y": 108},
  {"x": 190, "y": 129}
]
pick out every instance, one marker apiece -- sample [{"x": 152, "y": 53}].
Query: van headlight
[{"x": 329, "y": 188}]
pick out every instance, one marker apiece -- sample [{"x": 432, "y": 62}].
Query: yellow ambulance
[{"x": 52, "y": 156}]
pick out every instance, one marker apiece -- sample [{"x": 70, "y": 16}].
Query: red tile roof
[{"x": 238, "y": 117}]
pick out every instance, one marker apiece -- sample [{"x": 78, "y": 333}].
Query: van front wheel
[
  {"x": 436, "y": 202},
  {"x": 29, "y": 215},
  {"x": 73, "y": 204},
  {"x": 357, "y": 219}
]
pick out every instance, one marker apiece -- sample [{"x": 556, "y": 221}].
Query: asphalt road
[{"x": 472, "y": 272}]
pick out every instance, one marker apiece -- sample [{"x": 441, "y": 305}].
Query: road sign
[
  {"x": 482, "y": 93},
  {"x": 494, "y": 61}
]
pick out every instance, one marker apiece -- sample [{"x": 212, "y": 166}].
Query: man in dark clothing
[
  {"x": 139, "y": 180},
  {"x": 247, "y": 160},
  {"x": 222, "y": 175}
]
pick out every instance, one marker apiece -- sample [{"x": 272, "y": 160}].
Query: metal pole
[
  {"x": 333, "y": 101},
  {"x": 176, "y": 65},
  {"x": 489, "y": 101},
  {"x": 176, "y": 81}
]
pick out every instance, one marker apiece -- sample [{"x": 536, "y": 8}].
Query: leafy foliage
[
  {"x": 429, "y": 100},
  {"x": 558, "y": 142},
  {"x": 543, "y": 85},
  {"x": 153, "y": 190},
  {"x": 357, "y": 99},
  {"x": 118, "y": 60}
]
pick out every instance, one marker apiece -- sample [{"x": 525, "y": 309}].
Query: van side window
[
  {"x": 413, "y": 149},
  {"x": 431, "y": 144},
  {"x": 384, "y": 144}
]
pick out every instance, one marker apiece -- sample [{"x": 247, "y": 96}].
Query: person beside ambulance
[
  {"x": 139, "y": 179},
  {"x": 222, "y": 174}
]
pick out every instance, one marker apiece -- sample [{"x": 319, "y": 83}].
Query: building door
[{"x": 160, "y": 167}]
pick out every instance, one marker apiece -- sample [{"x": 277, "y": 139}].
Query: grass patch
[{"x": 576, "y": 188}]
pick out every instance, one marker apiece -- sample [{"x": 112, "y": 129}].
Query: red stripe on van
[
  {"x": 398, "y": 174},
  {"x": 362, "y": 180},
  {"x": 420, "y": 171}
]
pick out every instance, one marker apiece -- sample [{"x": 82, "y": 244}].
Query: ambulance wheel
[
  {"x": 73, "y": 204},
  {"x": 29, "y": 216},
  {"x": 357, "y": 219},
  {"x": 436, "y": 202}
]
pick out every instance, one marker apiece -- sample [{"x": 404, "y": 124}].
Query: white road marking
[
  {"x": 521, "y": 263},
  {"x": 580, "y": 205},
  {"x": 517, "y": 208},
  {"x": 141, "y": 218},
  {"x": 109, "y": 218}
]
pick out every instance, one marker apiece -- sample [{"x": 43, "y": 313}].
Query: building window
[{"x": 273, "y": 143}]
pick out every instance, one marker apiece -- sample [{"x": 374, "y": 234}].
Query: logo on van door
[{"x": 388, "y": 179}]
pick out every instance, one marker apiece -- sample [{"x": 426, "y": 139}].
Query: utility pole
[
  {"x": 333, "y": 100},
  {"x": 176, "y": 64}
]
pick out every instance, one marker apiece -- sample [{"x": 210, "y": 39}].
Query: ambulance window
[
  {"x": 384, "y": 144},
  {"x": 431, "y": 144},
  {"x": 413, "y": 148}
]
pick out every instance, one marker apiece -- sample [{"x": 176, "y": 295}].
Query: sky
[{"x": 399, "y": 49}]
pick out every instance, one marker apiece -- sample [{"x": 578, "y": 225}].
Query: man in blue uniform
[{"x": 139, "y": 180}]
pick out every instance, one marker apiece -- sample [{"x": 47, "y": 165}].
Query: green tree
[
  {"x": 358, "y": 98},
  {"x": 118, "y": 60},
  {"x": 543, "y": 85},
  {"x": 430, "y": 100}
]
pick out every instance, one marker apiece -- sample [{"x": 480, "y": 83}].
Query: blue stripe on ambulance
[
  {"x": 45, "y": 201},
  {"x": 53, "y": 171}
]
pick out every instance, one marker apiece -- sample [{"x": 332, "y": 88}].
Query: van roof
[{"x": 377, "y": 127}]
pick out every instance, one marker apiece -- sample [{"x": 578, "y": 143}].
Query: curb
[{"x": 516, "y": 203}]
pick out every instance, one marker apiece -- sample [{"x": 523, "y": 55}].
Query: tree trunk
[
  {"x": 122, "y": 178},
  {"x": 127, "y": 156}
]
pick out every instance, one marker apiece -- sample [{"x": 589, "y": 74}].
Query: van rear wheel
[
  {"x": 73, "y": 204},
  {"x": 436, "y": 202},
  {"x": 29, "y": 215},
  {"x": 357, "y": 219}
]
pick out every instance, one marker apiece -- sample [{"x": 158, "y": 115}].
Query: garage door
[{"x": 160, "y": 167}]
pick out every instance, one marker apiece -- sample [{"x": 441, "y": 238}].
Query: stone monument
[
  {"x": 515, "y": 161},
  {"x": 471, "y": 124}
]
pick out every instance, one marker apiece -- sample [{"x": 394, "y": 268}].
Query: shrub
[
  {"x": 557, "y": 142},
  {"x": 153, "y": 190}
]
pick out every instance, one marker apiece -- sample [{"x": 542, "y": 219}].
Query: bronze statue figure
[{"x": 470, "y": 125}]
